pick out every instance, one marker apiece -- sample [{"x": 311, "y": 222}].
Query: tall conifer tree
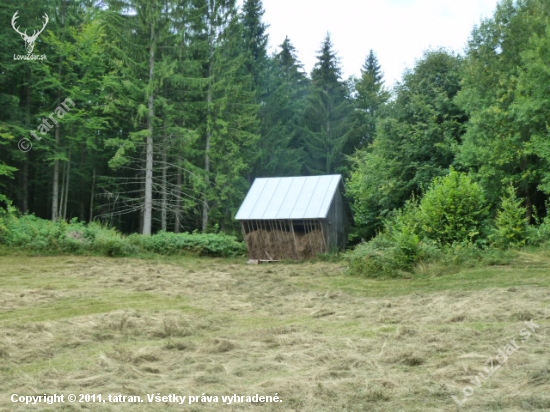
[
  {"x": 369, "y": 99},
  {"x": 281, "y": 145},
  {"x": 255, "y": 42},
  {"x": 326, "y": 114}
]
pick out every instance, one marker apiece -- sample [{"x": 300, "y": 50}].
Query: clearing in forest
[{"x": 308, "y": 333}]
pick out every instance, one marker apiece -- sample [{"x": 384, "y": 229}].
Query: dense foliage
[
  {"x": 451, "y": 223},
  {"x": 175, "y": 109},
  {"x": 27, "y": 232}
]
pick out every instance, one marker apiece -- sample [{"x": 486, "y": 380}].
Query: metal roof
[{"x": 307, "y": 197}]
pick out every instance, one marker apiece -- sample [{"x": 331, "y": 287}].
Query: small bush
[
  {"x": 368, "y": 259},
  {"x": 510, "y": 227},
  {"x": 392, "y": 252},
  {"x": 379, "y": 259},
  {"x": 30, "y": 232},
  {"x": 453, "y": 209},
  {"x": 402, "y": 232},
  {"x": 109, "y": 242},
  {"x": 211, "y": 244},
  {"x": 470, "y": 255},
  {"x": 540, "y": 235},
  {"x": 543, "y": 231},
  {"x": 400, "y": 246}
]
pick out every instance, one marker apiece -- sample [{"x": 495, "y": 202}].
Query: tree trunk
[
  {"x": 528, "y": 206},
  {"x": 25, "y": 179},
  {"x": 164, "y": 189},
  {"x": 55, "y": 191},
  {"x": 177, "y": 212},
  {"x": 55, "y": 194},
  {"x": 81, "y": 186},
  {"x": 205, "y": 207},
  {"x": 92, "y": 197},
  {"x": 62, "y": 195},
  {"x": 67, "y": 180},
  {"x": 25, "y": 187},
  {"x": 148, "y": 203}
]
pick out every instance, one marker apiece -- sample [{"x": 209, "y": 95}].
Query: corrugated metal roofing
[{"x": 289, "y": 198}]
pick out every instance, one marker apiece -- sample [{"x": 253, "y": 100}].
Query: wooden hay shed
[{"x": 294, "y": 217}]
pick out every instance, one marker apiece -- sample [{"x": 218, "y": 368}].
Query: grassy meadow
[{"x": 318, "y": 338}]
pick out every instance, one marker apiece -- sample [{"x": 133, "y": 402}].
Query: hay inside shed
[{"x": 294, "y": 217}]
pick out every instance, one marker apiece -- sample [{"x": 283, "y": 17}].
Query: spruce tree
[
  {"x": 255, "y": 41},
  {"x": 326, "y": 114},
  {"x": 143, "y": 36},
  {"x": 281, "y": 145},
  {"x": 231, "y": 117},
  {"x": 370, "y": 97}
]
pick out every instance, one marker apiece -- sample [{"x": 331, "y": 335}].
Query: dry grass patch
[{"x": 322, "y": 340}]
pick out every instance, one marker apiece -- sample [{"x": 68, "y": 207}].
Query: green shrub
[
  {"x": 108, "y": 242},
  {"x": 544, "y": 231},
  {"x": 382, "y": 258},
  {"x": 539, "y": 235},
  {"x": 453, "y": 209},
  {"x": 4, "y": 218},
  {"x": 370, "y": 260},
  {"x": 442, "y": 226},
  {"x": 394, "y": 251},
  {"x": 402, "y": 232},
  {"x": 470, "y": 255},
  {"x": 211, "y": 244},
  {"x": 510, "y": 224},
  {"x": 32, "y": 233}
]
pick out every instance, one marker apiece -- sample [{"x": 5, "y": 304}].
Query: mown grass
[{"x": 321, "y": 339}]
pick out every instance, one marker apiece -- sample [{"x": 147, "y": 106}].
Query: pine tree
[
  {"x": 281, "y": 146},
  {"x": 326, "y": 114},
  {"x": 510, "y": 227},
  {"x": 143, "y": 44},
  {"x": 68, "y": 40},
  {"x": 255, "y": 42},
  {"x": 218, "y": 16},
  {"x": 228, "y": 116},
  {"x": 370, "y": 98},
  {"x": 233, "y": 126}
]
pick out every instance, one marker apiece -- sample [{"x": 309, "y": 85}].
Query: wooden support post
[
  {"x": 309, "y": 237},
  {"x": 324, "y": 237},
  {"x": 294, "y": 238},
  {"x": 243, "y": 230}
]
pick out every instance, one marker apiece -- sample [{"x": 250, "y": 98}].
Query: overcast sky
[{"x": 398, "y": 31}]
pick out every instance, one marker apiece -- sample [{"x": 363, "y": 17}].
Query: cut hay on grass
[{"x": 321, "y": 340}]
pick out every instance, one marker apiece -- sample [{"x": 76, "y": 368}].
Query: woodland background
[{"x": 179, "y": 106}]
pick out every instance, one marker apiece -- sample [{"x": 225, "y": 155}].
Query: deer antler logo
[{"x": 29, "y": 40}]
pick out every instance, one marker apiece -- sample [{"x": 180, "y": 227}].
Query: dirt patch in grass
[{"x": 320, "y": 340}]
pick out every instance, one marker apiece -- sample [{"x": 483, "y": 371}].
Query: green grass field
[{"x": 308, "y": 333}]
